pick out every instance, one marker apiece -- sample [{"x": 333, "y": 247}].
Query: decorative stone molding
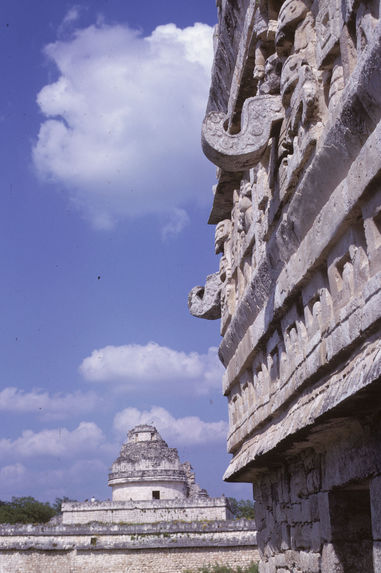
[
  {"x": 236, "y": 152},
  {"x": 204, "y": 302}
]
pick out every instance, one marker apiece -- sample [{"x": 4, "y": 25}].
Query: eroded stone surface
[
  {"x": 204, "y": 301},
  {"x": 146, "y": 465},
  {"x": 297, "y": 210},
  {"x": 235, "y": 152}
]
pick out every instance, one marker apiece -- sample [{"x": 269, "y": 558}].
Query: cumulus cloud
[
  {"x": 12, "y": 473},
  {"x": 87, "y": 437},
  {"x": 178, "y": 219},
  {"x": 72, "y": 474},
  {"x": 77, "y": 480},
  {"x": 137, "y": 367},
  {"x": 55, "y": 406},
  {"x": 122, "y": 122},
  {"x": 189, "y": 430},
  {"x": 71, "y": 16}
]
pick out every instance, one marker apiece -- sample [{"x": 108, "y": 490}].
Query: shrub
[
  {"x": 242, "y": 508},
  {"x": 25, "y": 510}
]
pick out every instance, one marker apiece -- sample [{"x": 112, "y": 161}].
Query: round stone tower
[{"x": 148, "y": 469}]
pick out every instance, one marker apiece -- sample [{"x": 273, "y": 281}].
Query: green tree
[
  {"x": 57, "y": 505},
  {"x": 25, "y": 510},
  {"x": 241, "y": 508}
]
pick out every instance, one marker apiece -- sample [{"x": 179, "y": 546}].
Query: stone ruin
[
  {"x": 148, "y": 469},
  {"x": 293, "y": 127},
  {"x": 149, "y": 484},
  {"x": 159, "y": 520}
]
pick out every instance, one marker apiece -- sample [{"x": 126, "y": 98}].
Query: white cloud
[
  {"x": 12, "y": 473},
  {"x": 153, "y": 366},
  {"x": 72, "y": 474},
  {"x": 72, "y": 15},
  {"x": 177, "y": 221},
  {"x": 55, "y": 406},
  {"x": 122, "y": 122},
  {"x": 78, "y": 480},
  {"x": 87, "y": 437},
  {"x": 189, "y": 430}
]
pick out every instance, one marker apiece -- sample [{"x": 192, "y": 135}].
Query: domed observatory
[
  {"x": 149, "y": 484},
  {"x": 147, "y": 468}
]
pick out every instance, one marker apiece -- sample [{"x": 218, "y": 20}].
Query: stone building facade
[
  {"x": 149, "y": 484},
  {"x": 293, "y": 126}
]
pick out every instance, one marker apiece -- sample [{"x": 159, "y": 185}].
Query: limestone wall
[
  {"x": 318, "y": 512},
  {"x": 137, "y": 549},
  {"x": 143, "y": 491},
  {"x": 146, "y": 511},
  {"x": 146, "y": 561}
]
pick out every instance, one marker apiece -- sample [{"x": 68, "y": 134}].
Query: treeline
[
  {"x": 242, "y": 508},
  {"x": 29, "y": 510}
]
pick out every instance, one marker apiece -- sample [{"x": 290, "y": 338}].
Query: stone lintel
[{"x": 295, "y": 428}]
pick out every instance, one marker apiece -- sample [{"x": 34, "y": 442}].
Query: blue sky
[{"x": 105, "y": 200}]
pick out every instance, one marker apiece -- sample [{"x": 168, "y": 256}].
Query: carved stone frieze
[
  {"x": 328, "y": 29},
  {"x": 245, "y": 208},
  {"x": 301, "y": 127},
  {"x": 222, "y": 244},
  {"x": 292, "y": 12}
]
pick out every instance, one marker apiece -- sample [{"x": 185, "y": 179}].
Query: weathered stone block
[
  {"x": 316, "y": 539},
  {"x": 377, "y": 556},
  {"x": 309, "y": 562},
  {"x": 314, "y": 507},
  {"x": 298, "y": 484},
  {"x": 301, "y": 536},
  {"x": 280, "y": 512},
  {"x": 324, "y": 515},
  {"x": 313, "y": 481},
  {"x": 267, "y": 567},
  {"x": 330, "y": 562},
  {"x": 280, "y": 560},
  {"x": 296, "y": 513},
  {"x": 286, "y": 537},
  {"x": 375, "y": 501}
]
